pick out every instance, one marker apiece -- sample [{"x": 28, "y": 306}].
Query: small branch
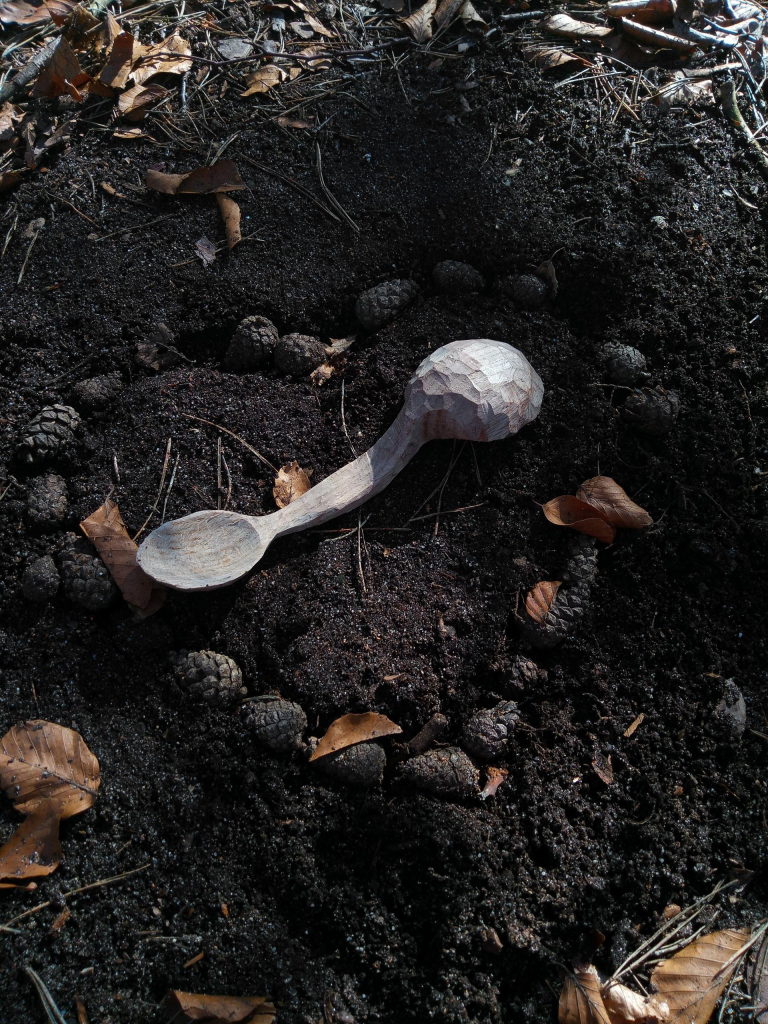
[{"x": 734, "y": 115}]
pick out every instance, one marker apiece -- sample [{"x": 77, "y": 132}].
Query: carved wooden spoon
[{"x": 477, "y": 390}]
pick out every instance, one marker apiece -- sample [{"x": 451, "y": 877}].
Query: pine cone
[
  {"x": 361, "y": 765},
  {"x": 253, "y": 345},
  {"x": 209, "y": 678},
  {"x": 452, "y": 276},
  {"x": 97, "y": 393},
  {"x": 85, "y": 577},
  {"x": 47, "y": 501},
  {"x": 624, "y": 365},
  {"x": 299, "y": 354},
  {"x": 527, "y": 290},
  {"x": 278, "y": 724},
  {"x": 651, "y": 410},
  {"x": 486, "y": 733},
  {"x": 380, "y": 304},
  {"x": 40, "y": 583},
  {"x": 48, "y": 434},
  {"x": 446, "y": 772},
  {"x": 571, "y": 600}
]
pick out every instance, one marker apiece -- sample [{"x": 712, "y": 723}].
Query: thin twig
[
  {"x": 236, "y": 437},
  {"x": 170, "y": 488},
  {"x": 159, "y": 492},
  {"x": 135, "y": 227},
  {"x": 52, "y": 1011},
  {"x": 26, "y": 258},
  {"x": 75, "y": 892},
  {"x": 329, "y": 195},
  {"x": 289, "y": 181},
  {"x": 734, "y": 115},
  {"x": 218, "y": 472},
  {"x": 9, "y": 236},
  {"x": 229, "y": 481}
]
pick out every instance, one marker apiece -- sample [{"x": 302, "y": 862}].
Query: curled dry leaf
[
  {"x": 419, "y": 24},
  {"x": 493, "y": 779},
  {"x": 61, "y": 75},
  {"x": 549, "y": 57},
  {"x": 222, "y": 176},
  {"x": 230, "y": 214},
  {"x": 627, "y": 1007},
  {"x": 290, "y": 483},
  {"x": 612, "y": 503},
  {"x": 692, "y": 981},
  {"x": 133, "y": 103},
  {"x": 50, "y": 774},
  {"x": 568, "y": 27},
  {"x": 106, "y": 530},
  {"x": 116, "y": 72},
  {"x": 9, "y": 178},
  {"x": 171, "y": 56},
  {"x": 352, "y": 729},
  {"x": 264, "y": 79},
  {"x": 539, "y": 600},
  {"x": 581, "y": 1001},
  {"x": 187, "y": 1007},
  {"x": 206, "y": 250},
  {"x": 685, "y": 92},
  {"x": 603, "y": 768},
  {"x": 569, "y": 511}
]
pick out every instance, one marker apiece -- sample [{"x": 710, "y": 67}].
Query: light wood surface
[{"x": 474, "y": 390}]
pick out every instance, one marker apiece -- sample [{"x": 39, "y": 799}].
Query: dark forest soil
[{"x": 369, "y": 906}]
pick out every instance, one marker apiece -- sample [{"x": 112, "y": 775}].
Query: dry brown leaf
[
  {"x": 264, "y": 79},
  {"x": 61, "y": 74},
  {"x": 230, "y": 214},
  {"x": 580, "y": 999},
  {"x": 318, "y": 26},
  {"x": 539, "y": 600},
  {"x": 294, "y": 122},
  {"x": 321, "y": 64},
  {"x": 629, "y": 731},
  {"x": 206, "y": 250},
  {"x": 419, "y": 24},
  {"x": 603, "y": 768},
  {"x": 570, "y": 28},
  {"x": 133, "y": 102},
  {"x": 171, "y": 56},
  {"x": 290, "y": 483},
  {"x": 471, "y": 19},
  {"x": 125, "y": 50},
  {"x": 447, "y": 11},
  {"x": 9, "y": 178},
  {"x": 82, "y": 1014},
  {"x": 671, "y": 910},
  {"x": 18, "y": 12},
  {"x": 549, "y": 57},
  {"x": 50, "y": 774},
  {"x": 578, "y": 515},
  {"x": 222, "y": 176},
  {"x": 60, "y": 920},
  {"x": 187, "y": 1007},
  {"x": 106, "y": 530},
  {"x": 692, "y": 981},
  {"x": 493, "y": 779},
  {"x": 627, "y": 1007},
  {"x": 685, "y": 92},
  {"x": 349, "y": 730},
  {"x": 613, "y": 504}
]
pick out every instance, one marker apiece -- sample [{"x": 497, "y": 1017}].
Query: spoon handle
[{"x": 356, "y": 482}]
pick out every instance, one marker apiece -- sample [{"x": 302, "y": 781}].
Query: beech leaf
[
  {"x": 568, "y": 27},
  {"x": 230, "y": 213},
  {"x": 187, "y": 1007},
  {"x": 50, "y": 774},
  {"x": 349, "y": 730},
  {"x": 692, "y": 981},
  {"x": 419, "y": 24},
  {"x": 613, "y": 503},
  {"x": 106, "y": 530},
  {"x": 625, "y": 1006},
  {"x": 290, "y": 483},
  {"x": 263, "y": 79},
  {"x": 222, "y": 176},
  {"x": 154, "y": 60},
  {"x": 539, "y": 600},
  {"x": 581, "y": 1001},
  {"x": 569, "y": 511}
]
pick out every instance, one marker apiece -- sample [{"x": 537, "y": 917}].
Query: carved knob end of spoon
[{"x": 475, "y": 390}]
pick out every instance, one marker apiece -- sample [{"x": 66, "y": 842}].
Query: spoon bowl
[{"x": 205, "y": 550}]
